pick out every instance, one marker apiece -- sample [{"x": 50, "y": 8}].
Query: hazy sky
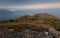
[{"x": 30, "y": 4}]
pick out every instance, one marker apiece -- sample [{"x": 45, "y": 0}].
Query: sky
[
  {"x": 29, "y": 7},
  {"x": 30, "y": 4}
]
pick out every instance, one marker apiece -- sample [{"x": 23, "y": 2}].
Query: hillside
[
  {"x": 31, "y": 24},
  {"x": 42, "y": 18}
]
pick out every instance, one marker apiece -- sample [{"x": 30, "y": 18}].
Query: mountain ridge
[{"x": 32, "y": 25}]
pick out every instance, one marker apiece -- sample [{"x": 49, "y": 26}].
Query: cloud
[
  {"x": 24, "y": 2},
  {"x": 35, "y": 6}
]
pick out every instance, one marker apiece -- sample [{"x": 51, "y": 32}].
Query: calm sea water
[{"x": 18, "y": 14}]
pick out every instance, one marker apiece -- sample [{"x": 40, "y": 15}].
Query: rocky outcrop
[{"x": 11, "y": 33}]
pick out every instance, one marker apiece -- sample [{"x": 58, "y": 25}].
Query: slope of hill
[
  {"x": 42, "y": 18},
  {"x": 45, "y": 15},
  {"x": 34, "y": 25}
]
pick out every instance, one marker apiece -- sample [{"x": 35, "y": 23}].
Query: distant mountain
[
  {"x": 5, "y": 12},
  {"x": 8, "y": 15},
  {"x": 19, "y": 11}
]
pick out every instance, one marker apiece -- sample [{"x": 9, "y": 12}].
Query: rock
[{"x": 26, "y": 34}]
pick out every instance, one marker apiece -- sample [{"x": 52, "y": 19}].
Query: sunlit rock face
[{"x": 11, "y": 33}]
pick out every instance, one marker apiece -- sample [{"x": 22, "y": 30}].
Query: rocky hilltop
[{"x": 41, "y": 25}]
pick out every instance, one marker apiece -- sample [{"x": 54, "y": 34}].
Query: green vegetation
[
  {"x": 42, "y": 18},
  {"x": 45, "y": 19},
  {"x": 23, "y": 27}
]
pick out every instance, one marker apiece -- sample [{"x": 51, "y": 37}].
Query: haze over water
[{"x": 30, "y": 7}]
